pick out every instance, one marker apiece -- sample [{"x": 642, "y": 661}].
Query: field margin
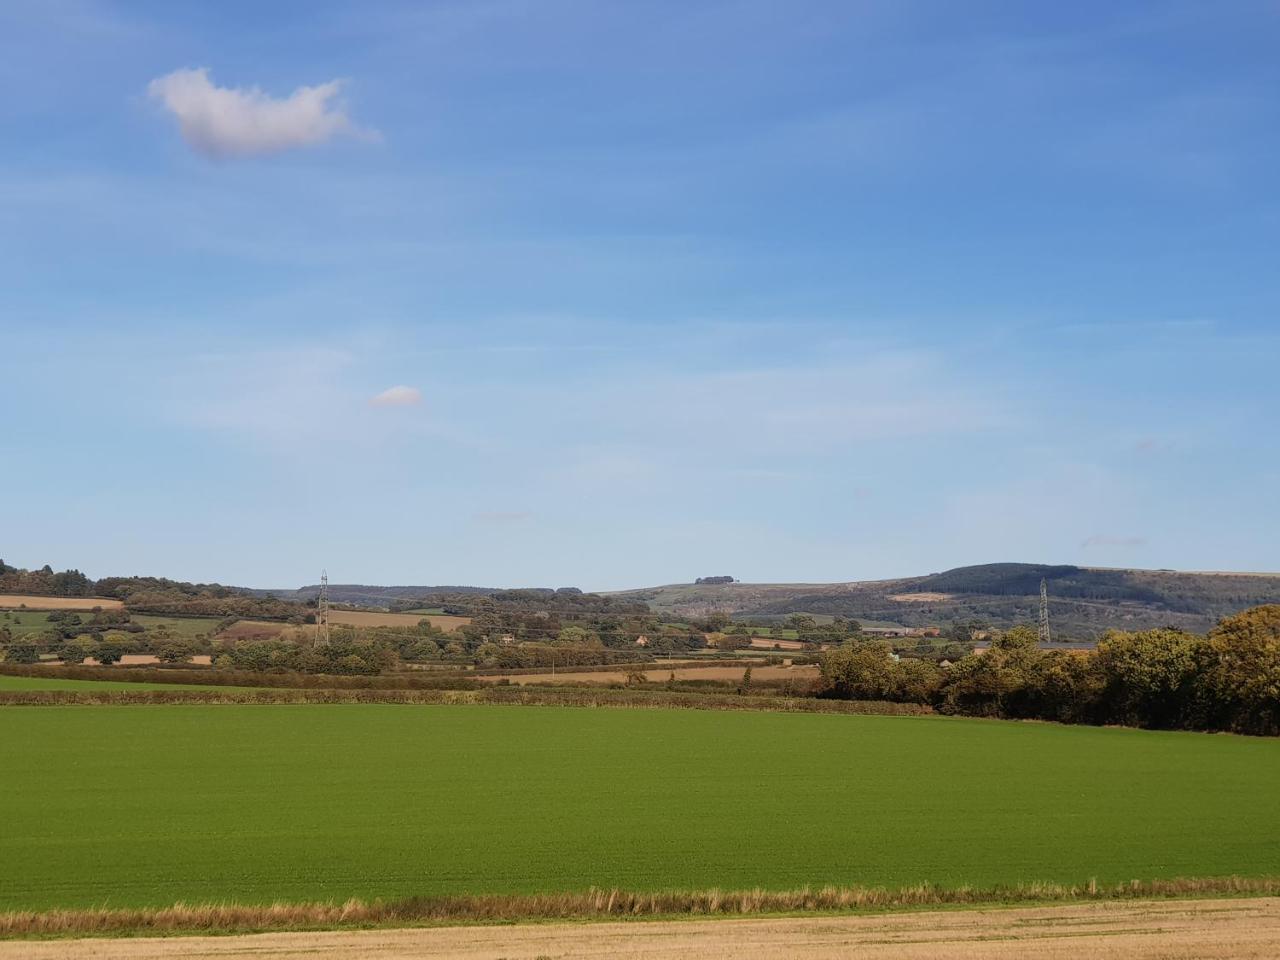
[{"x": 596, "y": 905}]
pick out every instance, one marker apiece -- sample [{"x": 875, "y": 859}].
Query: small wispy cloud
[
  {"x": 398, "y": 396},
  {"x": 1103, "y": 540},
  {"x": 224, "y": 122}
]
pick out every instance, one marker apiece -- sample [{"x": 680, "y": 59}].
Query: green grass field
[
  {"x": 140, "y": 806},
  {"x": 22, "y": 622},
  {"x": 185, "y": 628}
]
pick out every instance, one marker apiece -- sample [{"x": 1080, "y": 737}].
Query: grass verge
[{"x": 594, "y": 905}]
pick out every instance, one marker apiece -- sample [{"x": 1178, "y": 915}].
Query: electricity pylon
[
  {"x": 322, "y": 611},
  {"x": 1044, "y": 611}
]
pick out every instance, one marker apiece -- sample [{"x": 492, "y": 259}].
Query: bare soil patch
[
  {"x": 770, "y": 643},
  {"x": 14, "y": 600},
  {"x": 925, "y": 597},
  {"x": 1210, "y": 929}
]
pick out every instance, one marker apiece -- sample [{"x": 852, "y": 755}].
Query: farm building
[{"x": 887, "y": 631}]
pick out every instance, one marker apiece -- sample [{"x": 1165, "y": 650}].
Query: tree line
[
  {"x": 1228, "y": 679},
  {"x": 44, "y": 582}
]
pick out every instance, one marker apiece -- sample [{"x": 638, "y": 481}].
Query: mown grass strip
[{"x": 595, "y": 904}]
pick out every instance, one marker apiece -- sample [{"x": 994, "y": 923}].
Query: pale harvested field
[
  {"x": 920, "y": 597},
  {"x": 15, "y": 600},
  {"x": 1165, "y": 930},
  {"x": 661, "y": 674},
  {"x": 370, "y": 618},
  {"x": 768, "y": 643}
]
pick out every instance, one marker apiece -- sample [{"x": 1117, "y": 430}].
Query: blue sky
[{"x": 806, "y": 291}]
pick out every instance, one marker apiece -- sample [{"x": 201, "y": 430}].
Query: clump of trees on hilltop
[
  {"x": 44, "y": 582},
  {"x": 156, "y": 595},
  {"x": 1228, "y": 679},
  {"x": 568, "y": 602}
]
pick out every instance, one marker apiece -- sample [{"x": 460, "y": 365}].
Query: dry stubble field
[{"x": 1161, "y": 930}]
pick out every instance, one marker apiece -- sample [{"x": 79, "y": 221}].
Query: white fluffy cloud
[
  {"x": 238, "y": 121},
  {"x": 400, "y": 396}
]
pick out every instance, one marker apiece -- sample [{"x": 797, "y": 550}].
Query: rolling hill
[{"x": 1083, "y": 601}]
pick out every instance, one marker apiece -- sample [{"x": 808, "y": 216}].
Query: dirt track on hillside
[{"x": 1210, "y": 929}]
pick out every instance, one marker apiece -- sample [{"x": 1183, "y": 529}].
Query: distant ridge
[{"x": 1083, "y": 601}]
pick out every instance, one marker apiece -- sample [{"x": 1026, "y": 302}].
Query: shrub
[
  {"x": 21, "y": 653},
  {"x": 71, "y": 653},
  {"x": 174, "y": 653}
]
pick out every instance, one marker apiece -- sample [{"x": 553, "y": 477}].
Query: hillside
[
  {"x": 369, "y": 595},
  {"x": 1083, "y": 601}
]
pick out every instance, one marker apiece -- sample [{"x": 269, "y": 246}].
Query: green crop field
[{"x": 147, "y": 805}]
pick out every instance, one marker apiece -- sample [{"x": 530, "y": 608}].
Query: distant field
[
  {"x": 369, "y": 618},
  {"x": 22, "y": 622},
  {"x": 56, "y": 603},
  {"x": 251, "y": 629},
  {"x": 352, "y": 618},
  {"x": 771, "y": 643},
  {"x": 150, "y": 805},
  {"x": 659, "y": 673},
  {"x": 184, "y": 627},
  {"x": 57, "y": 683}
]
